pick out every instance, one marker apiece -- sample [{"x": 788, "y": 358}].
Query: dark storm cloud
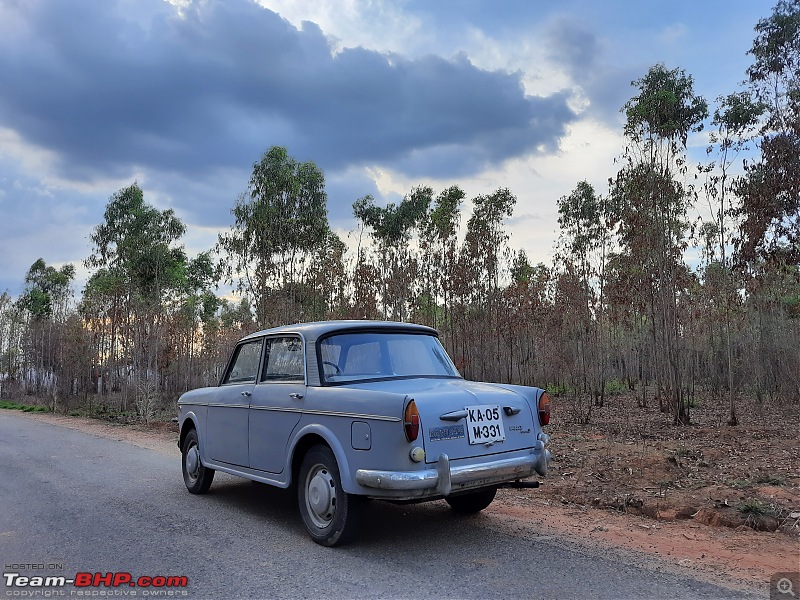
[
  {"x": 580, "y": 52},
  {"x": 112, "y": 86}
]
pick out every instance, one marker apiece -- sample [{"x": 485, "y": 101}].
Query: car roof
[{"x": 317, "y": 329}]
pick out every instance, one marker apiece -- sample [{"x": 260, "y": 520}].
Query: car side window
[
  {"x": 244, "y": 365},
  {"x": 283, "y": 359}
]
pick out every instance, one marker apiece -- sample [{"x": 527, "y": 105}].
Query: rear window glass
[{"x": 383, "y": 355}]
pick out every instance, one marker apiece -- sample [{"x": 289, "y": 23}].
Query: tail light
[
  {"x": 544, "y": 409},
  {"x": 411, "y": 421}
]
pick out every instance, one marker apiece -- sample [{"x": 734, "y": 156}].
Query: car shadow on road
[{"x": 422, "y": 524}]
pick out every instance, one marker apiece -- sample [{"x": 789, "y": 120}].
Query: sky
[{"x": 183, "y": 97}]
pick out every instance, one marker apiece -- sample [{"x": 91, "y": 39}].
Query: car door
[
  {"x": 227, "y": 420},
  {"x": 277, "y": 402}
]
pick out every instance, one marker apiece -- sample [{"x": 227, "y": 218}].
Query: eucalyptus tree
[
  {"x": 478, "y": 285},
  {"x": 280, "y": 221},
  {"x": 10, "y": 331},
  {"x": 195, "y": 309},
  {"x": 328, "y": 280},
  {"x": 533, "y": 323},
  {"x": 104, "y": 309},
  {"x": 392, "y": 228},
  {"x": 47, "y": 290},
  {"x": 582, "y": 248},
  {"x": 734, "y": 122},
  {"x": 768, "y": 245},
  {"x": 45, "y": 305},
  {"x": 438, "y": 241},
  {"x": 651, "y": 203},
  {"x": 136, "y": 253},
  {"x": 771, "y": 196}
]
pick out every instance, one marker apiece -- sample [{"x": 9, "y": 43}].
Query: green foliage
[
  {"x": 770, "y": 479},
  {"x": 754, "y": 507},
  {"x": 521, "y": 269},
  {"x": 770, "y": 194},
  {"x": 443, "y": 218},
  {"x": 666, "y": 107},
  {"x": 135, "y": 245},
  {"x": 740, "y": 484},
  {"x": 23, "y": 407},
  {"x": 616, "y": 386},
  {"x": 280, "y": 222},
  {"x": 582, "y": 219},
  {"x": 44, "y": 287},
  {"x": 394, "y": 224}
]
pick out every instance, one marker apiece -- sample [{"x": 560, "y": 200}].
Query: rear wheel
[
  {"x": 330, "y": 515},
  {"x": 196, "y": 477},
  {"x": 467, "y": 504}
]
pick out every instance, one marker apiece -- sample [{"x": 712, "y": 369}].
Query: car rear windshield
[{"x": 364, "y": 356}]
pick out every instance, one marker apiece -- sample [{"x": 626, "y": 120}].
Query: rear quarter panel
[{"x": 334, "y": 410}]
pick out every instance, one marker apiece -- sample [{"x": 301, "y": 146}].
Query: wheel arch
[
  {"x": 313, "y": 435},
  {"x": 188, "y": 424}
]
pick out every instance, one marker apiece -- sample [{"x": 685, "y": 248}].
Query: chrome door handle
[
  {"x": 247, "y": 394},
  {"x": 296, "y": 396},
  {"x": 454, "y": 416}
]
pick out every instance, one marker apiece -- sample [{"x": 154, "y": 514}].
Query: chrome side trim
[
  {"x": 326, "y": 413},
  {"x": 333, "y": 413}
]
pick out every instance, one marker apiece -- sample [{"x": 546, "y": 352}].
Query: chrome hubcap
[
  {"x": 193, "y": 462},
  {"x": 320, "y": 496}
]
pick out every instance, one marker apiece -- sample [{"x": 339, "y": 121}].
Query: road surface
[{"x": 71, "y": 502}]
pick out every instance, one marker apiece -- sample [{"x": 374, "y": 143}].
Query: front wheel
[
  {"x": 468, "y": 504},
  {"x": 330, "y": 515},
  {"x": 196, "y": 477}
]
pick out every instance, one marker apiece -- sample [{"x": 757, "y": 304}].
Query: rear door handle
[{"x": 296, "y": 396}]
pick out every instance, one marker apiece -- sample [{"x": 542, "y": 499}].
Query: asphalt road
[{"x": 74, "y": 502}]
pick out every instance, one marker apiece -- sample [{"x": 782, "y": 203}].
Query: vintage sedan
[{"x": 349, "y": 410}]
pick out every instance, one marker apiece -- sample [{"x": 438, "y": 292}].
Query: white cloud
[{"x": 373, "y": 24}]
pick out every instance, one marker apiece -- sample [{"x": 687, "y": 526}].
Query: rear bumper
[{"x": 447, "y": 478}]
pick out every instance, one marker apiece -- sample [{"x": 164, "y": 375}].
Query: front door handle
[
  {"x": 247, "y": 394},
  {"x": 296, "y": 396}
]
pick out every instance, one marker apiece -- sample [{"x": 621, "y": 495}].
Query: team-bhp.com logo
[{"x": 19, "y": 585}]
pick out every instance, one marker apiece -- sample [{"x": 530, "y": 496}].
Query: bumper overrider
[{"x": 447, "y": 478}]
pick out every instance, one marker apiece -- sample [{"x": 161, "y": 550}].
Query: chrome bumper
[{"x": 446, "y": 478}]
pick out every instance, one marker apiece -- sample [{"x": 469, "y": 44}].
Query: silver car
[{"x": 348, "y": 410}]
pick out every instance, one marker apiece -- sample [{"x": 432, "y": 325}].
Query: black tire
[
  {"x": 468, "y": 504},
  {"x": 196, "y": 477},
  {"x": 331, "y": 515}
]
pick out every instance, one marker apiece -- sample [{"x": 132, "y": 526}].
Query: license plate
[{"x": 485, "y": 424}]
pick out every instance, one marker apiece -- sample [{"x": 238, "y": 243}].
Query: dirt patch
[{"x": 720, "y": 502}]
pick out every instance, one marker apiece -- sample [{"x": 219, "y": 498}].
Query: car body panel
[{"x": 260, "y": 430}]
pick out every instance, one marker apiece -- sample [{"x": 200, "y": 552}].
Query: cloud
[
  {"x": 602, "y": 86},
  {"x": 113, "y": 87}
]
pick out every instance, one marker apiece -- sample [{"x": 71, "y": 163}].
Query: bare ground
[{"x": 720, "y": 502}]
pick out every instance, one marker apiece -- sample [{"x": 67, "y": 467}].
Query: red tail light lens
[
  {"x": 411, "y": 421},
  {"x": 544, "y": 409}
]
